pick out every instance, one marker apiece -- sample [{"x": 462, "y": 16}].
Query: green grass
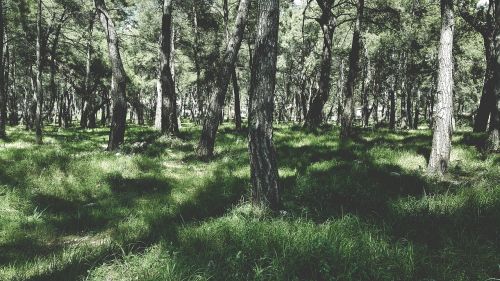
[{"x": 361, "y": 211}]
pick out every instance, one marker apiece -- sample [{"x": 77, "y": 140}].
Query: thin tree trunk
[
  {"x": 263, "y": 163},
  {"x": 365, "y": 90},
  {"x": 213, "y": 114},
  {"x": 86, "y": 103},
  {"x": 3, "y": 93},
  {"x": 118, "y": 80},
  {"x": 13, "y": 104},
  {"x": 416, "y": 118},
  {"x": 348, "y": 114},
  {"x": 197, "y": 65},
  {"x": 237, "y": 102},
  {"x": 443, "y": 111},
  {"x": 392, "y": 110},
  {"x": 409, "y": 105},
  {"x": 39, "y": 93}
]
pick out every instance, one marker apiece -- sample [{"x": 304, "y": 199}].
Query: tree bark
[
  {"x": 487, "y": 102},
  {"x": 314, "y": 116},
  {"x": 263, "y": 163},
  {"x": 197, "y": 65},
  {"x": 237, "y": 102},
  {"x": 366, "y": 88},
  {"x": 167, "y": 99},
  {"x": 213, "y": 114},
  {"x": 392, "y": 110},
  {"x": 3, "y": 93},
  {"x": 486, "y": 27},
  {"x": 118, "y": 79},
  {"x": 13, "y": 102},
  {"x": 348, "y": 112},
  {"x": 39, "y": 93},
  {"x": 443, "y": 110},
  {"x": 87, "y": 106},
  {"x": 494, "y": 130},
  {"x": 416, "y": 118}
]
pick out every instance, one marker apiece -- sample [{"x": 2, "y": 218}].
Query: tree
[
  {"x": 443, "y": 109},
  {"x": 86, "y": 103},
  {"x": 118, "y": 79},
  {"x": 263, "y": 163},
  {"x": 3, "y": 94},
  {"x": 166, "y": 108},
  {"x": 39, "y": 67},
  {"x": 494, "y": 131},
  {"x": 328, "y": 23},
  {"x": 348, "y": 114},
  {"x": 484, "y": 23},
  {"x": 213, "y": 113}
]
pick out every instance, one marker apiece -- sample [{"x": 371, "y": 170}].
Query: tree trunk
[
  {"x": 197, "y": 65},
  {"x": 416, "y": 118},
  {"x": 348, "y": 112},
  {"x": 53, "y": 67},
  {"x": 314, "y": 116},
  {"x": 213, "y": 114},
  {"x": 494, "y": 130},
  {"x": 365, "y": 89},
  {"x": 13, "y": 104},
  {"x": 443, "y": 110},
  {"x": 263, "y": 163},
  {"x": 86, "y": 103},
  {"x": 237, "y": 102},
  {"x": 167, "y": 99},
  {"x": 118, "y": 80},
  {"x": 409, "y": 105},
  {"x": 487, "y": 102},
  {"x": 392, "y": 110},
  {"x": 3, "y": 93},
  {"x": 39, "y": 93}
]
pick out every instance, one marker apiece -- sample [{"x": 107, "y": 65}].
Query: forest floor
[{"x": 361, "y": 211}]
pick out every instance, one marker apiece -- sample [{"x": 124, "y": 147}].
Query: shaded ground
[{"x": 361, "y": 211}]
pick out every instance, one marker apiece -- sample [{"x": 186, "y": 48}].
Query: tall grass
[{"x": 153, "y": 211}]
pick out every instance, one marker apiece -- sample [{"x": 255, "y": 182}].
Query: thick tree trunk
[
  {"x": 443, "y": 110},
  {"x": 348, "y": 112},
  {"x": 237, "y": 102},
  {"x": 487, "y": 102},
  {"x": 118, "y": 79},
  {"x": 3, "y": 93},
  {"x": 167, "y": 99},
  {"x": 494, "y": 130},
  {"x": 213, "y": 114},
  {"x": 263, "y": 163},
  {"x": 39, "y": 93},
  {"x": 314, "y": 116}
]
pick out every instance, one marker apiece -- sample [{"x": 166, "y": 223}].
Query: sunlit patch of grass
[
  {"x": 250, "y": 248},
  {"x": 411, "y": 162}
]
